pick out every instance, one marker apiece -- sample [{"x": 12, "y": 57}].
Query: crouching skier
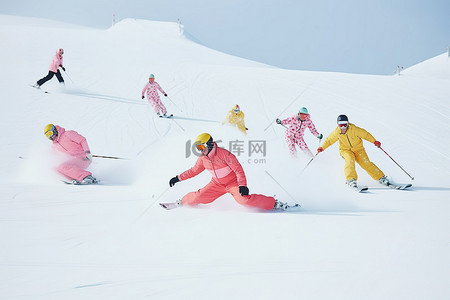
[
  {"x": 75, "y": 145},
  {"x": 227, "y": 177},
  {"x": 235, "y": 117}
]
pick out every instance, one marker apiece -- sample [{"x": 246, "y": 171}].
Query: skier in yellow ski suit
[
  {"x": 352, "y": 150},
  {"x": 235, "y": 117}
]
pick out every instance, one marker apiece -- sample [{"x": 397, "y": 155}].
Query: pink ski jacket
[
  {"x": 56, "y": 62},
  {"x": 223, "y": 166},
  {"x": 151, "y": 89},
  {"x": 70, "y": 142},
  {"x": 297, "y": 127}
]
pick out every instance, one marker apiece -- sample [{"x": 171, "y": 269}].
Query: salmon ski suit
[
  {"x": 352, "y": 150},
  {"x": 227, "y": 177},
  {"x": 236, "y": 119},
  {"x": 75, "y": 145}
]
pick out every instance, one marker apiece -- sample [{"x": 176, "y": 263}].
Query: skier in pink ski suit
[
  {"x": 152, "y": 87},
  {"x": 227, "y": 177},
  {"x": 75, "y": 145},
  {"x": 56, "y": 62},
  {"x": 294, "y": 134}
]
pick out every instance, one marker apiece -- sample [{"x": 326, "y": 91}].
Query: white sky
[{"x": 345, "y": 36}]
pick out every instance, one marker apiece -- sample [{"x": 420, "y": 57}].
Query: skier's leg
[
  {"x": 59, "y": 76},
  {"x": 162, "y": 107},
  {"x": 74, "y": 169},
  {"x": 241, "y": 127},
  {"x": 205, "y": 195},
  {"x": 154, "y": 105},
  {"x": 302, "y": 145},
  {"x": 46, "y": 78},
  {"x": 254, "y": 200},
  {"x": 291, "y": 145},
  {"x": 349, "y": 167},
  {"x": 363, "y": 160}
]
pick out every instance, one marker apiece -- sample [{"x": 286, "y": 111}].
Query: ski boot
[
  {"x": 88, "y": 180},
  {"x": 352, "y": 183},
  {"x": 280, "y": 205},
  {"x": 384, "y": 180}
]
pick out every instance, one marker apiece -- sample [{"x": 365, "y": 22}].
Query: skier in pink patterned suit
[
  {"x": 294, "y": 134},
  {"x": 227, "y": 177},
  {"x": 152, "y": 87},
  {"x": 55, "y": 64},
  {"x": 75, "y": 145}
]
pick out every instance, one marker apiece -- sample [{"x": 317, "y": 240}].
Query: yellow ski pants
[{"x": 360, "y": 156}]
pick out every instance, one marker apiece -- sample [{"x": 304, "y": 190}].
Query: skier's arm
[
  {"x": 331, "y": 139},
  {"x": 144, "y": 90},
  {"x": 80, "y": 140},
  {"x": 160, "y": 88},
  {"x": 313, "y": 129},
  {"x": 241, "y": 117},
  {"x": 364, "y": 134},
  {"x": 194, "y": 171},
  {"x": 287, "y": 121},
  {"x": 227, "y": 118}
]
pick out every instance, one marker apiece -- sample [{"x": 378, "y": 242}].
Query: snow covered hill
[{"x": 112, "y": 241}]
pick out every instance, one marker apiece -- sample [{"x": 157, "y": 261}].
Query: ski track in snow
[{"x": 112, "y": 241}]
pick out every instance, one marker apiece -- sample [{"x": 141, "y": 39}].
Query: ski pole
[
  {"x": 281, "y": 186},
  {"x": 397, "y": 164},
  {"x": 174, "y": 103},
  {"x": 280, "y": 123},
  {"x": 68, "y": 76},
  {"x": 309, "y": 163},
  {"x": 110, "y": 157}
]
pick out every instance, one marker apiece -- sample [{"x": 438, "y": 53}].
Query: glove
[
  {"x": 320, "y": 136},
  {"x": 64, "y": 69},
  {"x": 243, "y": 190},
  {"x": 88, "y": 155},
  {"x": 143, "y": 97},
  {"x": 246, "y": 128},
  {"x": 165, "y": 95},
  {"x": 377, "y": 143},
  {"x": 173, "y": 181},
  {"x": 278, "y": 121},
  {"x": 320, "y": 149}
]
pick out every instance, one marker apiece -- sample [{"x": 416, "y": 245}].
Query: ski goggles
[
  {"x": 343, "y": 125},
  {"x": 201, "y": 147},
  {"x": 236, "y": 111},
  {"x": 50, "y": 133}
]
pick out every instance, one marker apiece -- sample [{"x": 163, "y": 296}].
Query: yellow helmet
[
  {"x": 50, "y": 130},
  {"x": 236, "y": 108},
  {"x": 204, "y": 140}
]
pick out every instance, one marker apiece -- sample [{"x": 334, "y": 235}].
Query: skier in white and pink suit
[
  {"x": 296, "y": 130},
  {"x": 152, "y": 87}
]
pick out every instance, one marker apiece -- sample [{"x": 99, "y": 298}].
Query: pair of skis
[
  {"x": 166, "y": 116},
  {"x": 172, "y": 205},
  {"x": 390, "y": 185},
  {"x": 79, "y": 183},
  {"x": 39, "y": 89}
]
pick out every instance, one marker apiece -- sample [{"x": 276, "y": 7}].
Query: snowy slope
[{"x": 113, "y": 241}]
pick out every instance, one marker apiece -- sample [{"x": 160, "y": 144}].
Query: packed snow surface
[{"x": 113, "y": 240}]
